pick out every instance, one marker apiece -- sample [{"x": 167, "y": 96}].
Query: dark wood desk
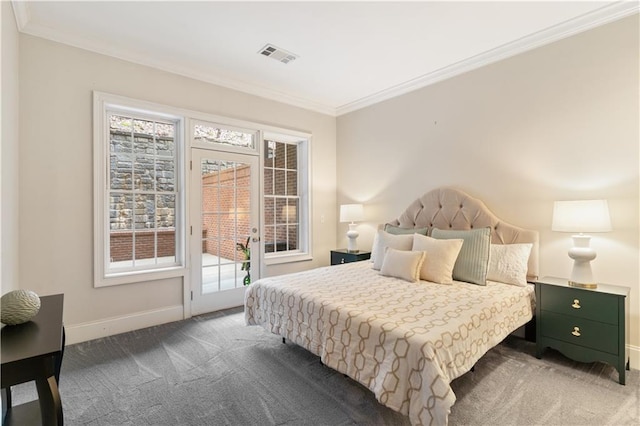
[{"x": 33, "y": 352}]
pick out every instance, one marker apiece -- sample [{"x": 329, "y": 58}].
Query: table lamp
[
  {"x": 351, "y": 213},
  {"x": 581, "y": 216}
]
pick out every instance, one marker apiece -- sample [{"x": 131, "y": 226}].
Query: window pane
[
  {"x": 279, "y": 160},
  {"x": 269, "y": 236},
  {"x": 281, "y": 238},
  {"x": 120, "y": 141},
  {"x": 209, "y": 170},
  {"x": 121, "y": 248},
  {"x": 145, "y": 211},
  {"x": 143, "y": 137},
  {"x": 269, "y": 211},
  {"x": 143, "y": 173},
  {"x": 165, "y": 175},
  {"x": 120, "y": 172},
  {"x": 291, "y": 211},
  {"x": 292, "y": 183},
  {"x": 268, "y": 181},
  {"x": 120, "y": 211},
  {"x": 269, "y": 153},
  {"x": 292, "y": 156},
  {"x": 165, "y": 146},
  {"x": 292, "y": 239},
  {"x": 281, "y": 210},
  {"x": 221, "y": 136},
  {"x": 166, "y": 211},
  {"x": 145, "y": 242},
  {"x": 227, "y": 226},
  {"x": 279, "y": 187}
]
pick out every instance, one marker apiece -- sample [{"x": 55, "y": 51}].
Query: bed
[{"x": 406, "y": 339}]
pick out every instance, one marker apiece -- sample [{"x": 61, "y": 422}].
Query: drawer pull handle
[
  {"x": 342, "y": 260},
  {"x": 576, "y": 304},
  {"x": 576, "y": 331}
]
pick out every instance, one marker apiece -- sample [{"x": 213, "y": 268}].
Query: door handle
[{"x": 255, "y": 239}]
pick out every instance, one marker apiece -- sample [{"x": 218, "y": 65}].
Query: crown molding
[
  {"x": 579, "y": 24},
  {"x": 27, "y": 27},
  {"x": 21, "y": 13},
  {"x": 560, "y": 31}
]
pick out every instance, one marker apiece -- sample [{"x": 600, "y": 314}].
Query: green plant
[{"x": 246, "y": 265}]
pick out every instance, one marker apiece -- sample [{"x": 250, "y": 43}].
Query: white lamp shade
[
  {"x": 351, "y": 213},
  {"x": 581, "y": 216}
]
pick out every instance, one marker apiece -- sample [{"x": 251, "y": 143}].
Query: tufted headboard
[{"x": 449, "y": 208}]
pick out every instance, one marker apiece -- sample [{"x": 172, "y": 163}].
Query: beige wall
[
  {"x": 56, "y": 224},
  {"x": 559, "y": 122},
  {"x": 9, "y": 265}
]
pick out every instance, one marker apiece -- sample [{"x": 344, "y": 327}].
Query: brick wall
[
  {"x": 219, "y": 199},
  {"x": 122, "y": 244}
]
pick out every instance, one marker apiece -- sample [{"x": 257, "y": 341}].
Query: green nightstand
[
  {"x": 344, "y": 256},
  {"x": 586, "y": 325}
]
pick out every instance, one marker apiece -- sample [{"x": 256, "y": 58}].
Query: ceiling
[{"x": 350, "y": 54}]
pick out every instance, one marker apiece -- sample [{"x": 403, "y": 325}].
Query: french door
[{"x": 224, "y": 235}]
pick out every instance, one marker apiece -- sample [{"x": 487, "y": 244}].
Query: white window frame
[
  {"x": 103, "y": 101},
  {"x": 303, "y": 140},
  {"x": 103, "y": 276}
]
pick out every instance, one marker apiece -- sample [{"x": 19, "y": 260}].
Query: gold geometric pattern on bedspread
[{"x": 404, "y": 341}]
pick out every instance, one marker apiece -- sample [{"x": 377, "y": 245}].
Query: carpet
[{"x": 214, "y": 370}]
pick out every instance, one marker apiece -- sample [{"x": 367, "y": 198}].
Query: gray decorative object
[{"x": 18, "y": 306}]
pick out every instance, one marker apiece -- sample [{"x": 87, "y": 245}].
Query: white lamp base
[
  {"x": 352, "y": 235},
  {"x": 582, "y": 255}
]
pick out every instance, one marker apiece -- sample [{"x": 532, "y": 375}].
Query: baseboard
[
  {"x": 95, "y": 329},
  {"x": 634, "y": 357}
]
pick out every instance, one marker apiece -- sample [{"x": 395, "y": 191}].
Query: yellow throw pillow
[{"x": 440, "y": 260}]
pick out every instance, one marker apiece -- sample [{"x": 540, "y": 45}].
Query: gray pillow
[
  {"x": 396, "y": 230},
  {"x": 473, "y": 261}
]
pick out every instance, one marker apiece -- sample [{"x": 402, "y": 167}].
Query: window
[
  {"x": 286, "y": 196},
  {"x": 140, "y": 188},
  {"x": 139, "y": 200}
]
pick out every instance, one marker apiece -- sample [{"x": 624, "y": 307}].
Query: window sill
[
  {"x": 287, "y": 258},
  {"x": 139, "y": 276}
]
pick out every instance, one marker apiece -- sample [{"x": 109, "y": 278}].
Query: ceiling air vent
[{"x": 277, "y": 53}]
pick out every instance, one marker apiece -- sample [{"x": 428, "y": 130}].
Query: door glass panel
[{"x": 225, "y": 218}]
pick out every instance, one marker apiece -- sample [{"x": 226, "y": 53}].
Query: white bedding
[{"x": 405, "y": 341}]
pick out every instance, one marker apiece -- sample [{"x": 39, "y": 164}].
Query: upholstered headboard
[{"x": 449, "y": 208}]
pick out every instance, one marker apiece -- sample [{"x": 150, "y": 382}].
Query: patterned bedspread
[{"x": 406, "y": 342}]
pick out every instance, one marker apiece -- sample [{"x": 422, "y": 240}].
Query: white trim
[
  {"x": 634, "y": 357},
  {"x": 305, "y": 249},
  {"x": 102, "y": 277},
  {"x": 598, "y": 17},
  {"x": 21, "y": 13},
  {"x": 122, "y": 324},
  {"x": 549, "y": 35},
  {"x": 287, "y": 258}
]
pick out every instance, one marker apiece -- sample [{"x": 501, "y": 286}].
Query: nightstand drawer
[
  {"x": 580, "y": 303},
  {"x": 342, "y": 256},
  {"x": 580, "y": 331}
]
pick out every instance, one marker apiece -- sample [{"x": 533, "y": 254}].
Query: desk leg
[{"x": 50, "y": 404}]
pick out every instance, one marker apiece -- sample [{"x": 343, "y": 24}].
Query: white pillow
[
  {"x": 508, "y": 263},
  {"x": 402, "y": 264},
  {"x": 383, "y": 240},
  {"x": 440, "y": 260}
]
